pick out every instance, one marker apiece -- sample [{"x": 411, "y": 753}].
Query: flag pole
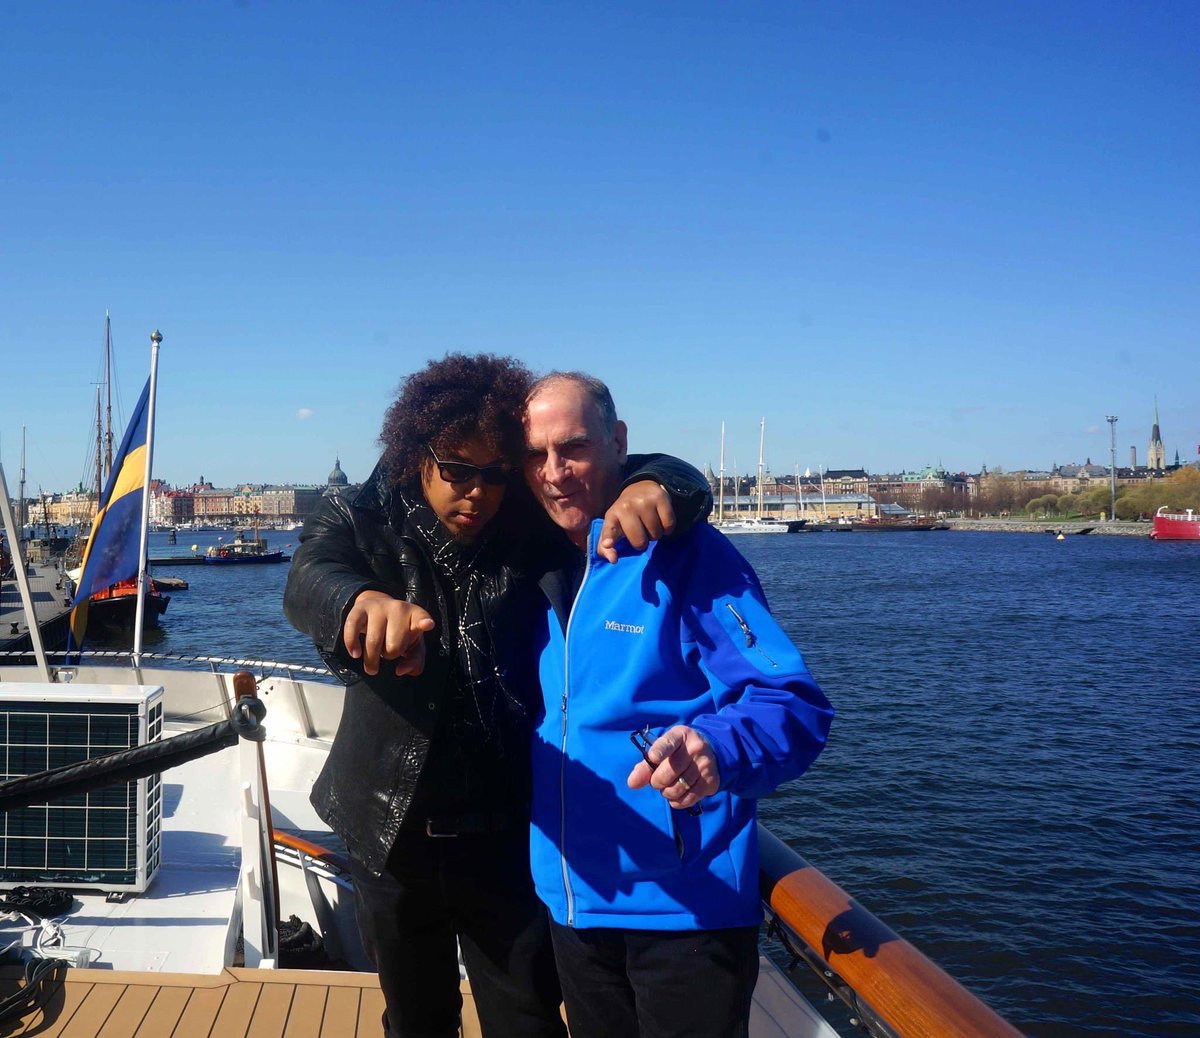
[
  {"x": 143, "y": 544},
  {"x": 17, "y": 548}
]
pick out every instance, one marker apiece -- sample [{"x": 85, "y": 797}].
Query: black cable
[
  {"x": 33, "y": 995},
  {"x": 37, "y": 901}
]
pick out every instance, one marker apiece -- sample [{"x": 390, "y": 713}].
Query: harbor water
[{"x": 1011, "y": 781}]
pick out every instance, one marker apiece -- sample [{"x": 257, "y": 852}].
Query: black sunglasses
[
  {"x": 643, "y": 741},
  {"x": 461, "y": 472}
]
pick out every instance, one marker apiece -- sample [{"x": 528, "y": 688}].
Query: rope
[
  {"x": 272, "y": 665},
  {"x": 135, "y": 763},
  {"x": 37, "y": 901}
]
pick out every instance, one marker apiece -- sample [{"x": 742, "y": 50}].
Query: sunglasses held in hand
[{"x": 643, "y": 740}]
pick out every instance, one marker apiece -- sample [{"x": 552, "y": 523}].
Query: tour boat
[
  {"x": 1176, "y": 526},
  {"x": 242, "y": 550}
]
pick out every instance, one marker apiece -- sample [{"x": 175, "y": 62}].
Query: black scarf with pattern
[{"x": 484, "y": 712}]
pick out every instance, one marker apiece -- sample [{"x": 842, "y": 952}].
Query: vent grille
[{"x": 107, "y": 839}]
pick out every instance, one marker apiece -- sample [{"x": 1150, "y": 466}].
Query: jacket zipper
[
  {"x": 562, "y": 785},
  {"x": 751, "y": 637}
]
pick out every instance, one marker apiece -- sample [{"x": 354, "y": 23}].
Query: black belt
[{"x": 448, "y": 826}]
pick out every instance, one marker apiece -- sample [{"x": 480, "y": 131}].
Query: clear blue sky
[{"x": 905, "y": 233}]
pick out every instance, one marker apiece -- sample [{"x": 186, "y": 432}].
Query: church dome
[{"x": 337, "y": 478}]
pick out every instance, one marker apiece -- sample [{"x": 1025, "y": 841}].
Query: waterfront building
[
  {"x": 170, "y": 507},
  {"x": 289, "y": 504}
]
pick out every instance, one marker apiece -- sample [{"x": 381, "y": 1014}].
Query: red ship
[{"x": 1176, "y": 526}]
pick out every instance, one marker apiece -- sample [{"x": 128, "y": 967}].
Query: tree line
[{"x": 1178, "y": 491}]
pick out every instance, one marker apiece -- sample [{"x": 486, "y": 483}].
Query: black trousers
[
  {"x": 657, "y": 983},
  {"x": 476, "y": 889}
]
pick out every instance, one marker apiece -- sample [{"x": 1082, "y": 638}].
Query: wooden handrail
[
  {"x": 312, "y": 850},
  {"x": 910, "y": 994}
]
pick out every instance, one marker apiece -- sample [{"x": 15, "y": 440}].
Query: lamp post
[{"x": 1112, "y": 435}]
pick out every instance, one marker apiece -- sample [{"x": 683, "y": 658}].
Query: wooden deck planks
[
  {"x": 370, "y": 1013},
  {"x": 129, "y": 1012},
  {"x": 164, "y": 1013},
  {"x": 238, "y": 1003},
  {"x": 199, "y": 1014},
  {"x": 341, "y": 1013},
  {"x": 306, "y": 1012},
  {"x": 271, "y": 1011},
  {"x": 89, "y": 1019},
  {"x": 237, "y": 1009},
  {"x": 50, "y": 1019}
]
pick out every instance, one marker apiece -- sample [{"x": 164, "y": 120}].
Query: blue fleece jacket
[{"x": 679, "y": 634}]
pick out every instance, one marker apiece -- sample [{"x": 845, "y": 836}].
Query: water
[{"x": 1011, "y": 779}]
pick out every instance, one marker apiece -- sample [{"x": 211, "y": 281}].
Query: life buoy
[{"x": 223, "y": 553}]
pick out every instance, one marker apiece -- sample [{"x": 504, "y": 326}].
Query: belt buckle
[{"x": 432, "y": 833}]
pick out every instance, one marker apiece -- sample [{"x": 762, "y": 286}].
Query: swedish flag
[{"x": 114, "y": 545}]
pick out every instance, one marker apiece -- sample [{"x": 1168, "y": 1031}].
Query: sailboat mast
[
  {"x": 22, "y": 510},
  {"x": 721, "y": 480},
  {"x": 99, "y": 455},
  {"x": 762, "y": 430},
  {"x": 108, "y": 437}
]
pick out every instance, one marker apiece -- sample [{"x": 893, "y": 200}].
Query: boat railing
[
  {"x": 892, "y": 989},
  {"x": 304, "y": 699}
]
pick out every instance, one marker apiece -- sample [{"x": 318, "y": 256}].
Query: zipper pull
[{"x": 750, "y": 639}]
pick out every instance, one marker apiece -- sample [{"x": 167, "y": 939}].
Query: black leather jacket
[{"x": 357, "y": 541}]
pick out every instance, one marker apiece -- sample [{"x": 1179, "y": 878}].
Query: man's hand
[
  {"x": 381, "y": 627},
  {"x": 687, "y": 769},
  {"x": 641, "y": 514}
]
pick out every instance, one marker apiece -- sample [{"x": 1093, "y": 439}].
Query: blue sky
[{"x": 905, "y": 233}]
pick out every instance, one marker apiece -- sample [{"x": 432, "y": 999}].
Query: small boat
[
  {"x": 760, "y": 524},
  {"x": 114, "y": 608},
  {"x": 243, "y": 549},
  {"x": 1176, "y": 526},
  {"x": 757, "y": 523}
]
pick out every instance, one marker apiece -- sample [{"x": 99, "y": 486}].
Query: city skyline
[
  {"x": 907, "y": 234},
  {"x": 1123, "y": 463}
]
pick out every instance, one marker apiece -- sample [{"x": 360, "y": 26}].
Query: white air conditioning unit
[{"x": 109, "y": 839}]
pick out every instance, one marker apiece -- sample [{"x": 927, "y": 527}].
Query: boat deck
[
  {"x": 247, "y": 1003},
  {"x": 237, "y": 1003}
]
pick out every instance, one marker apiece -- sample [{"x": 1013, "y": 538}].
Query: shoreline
[{"x": 1119, "y": 528}]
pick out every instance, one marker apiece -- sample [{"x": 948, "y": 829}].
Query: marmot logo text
[{"x": 612, "y": 625}]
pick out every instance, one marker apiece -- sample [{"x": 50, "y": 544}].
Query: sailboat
[
  {"x": 758, "y": 523},
  {"x": 112, "y": 609}
]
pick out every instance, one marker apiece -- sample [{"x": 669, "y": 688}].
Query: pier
[{"x": 51, "y": 603}]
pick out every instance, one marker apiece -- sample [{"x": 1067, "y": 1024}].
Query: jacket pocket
[{"x": 657, "y": 841}]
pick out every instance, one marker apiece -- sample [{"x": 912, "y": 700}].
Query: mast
[
  {"x": 143, "y": 582},
  {"x": 8, "y": 524},
  {"x": 22, "y": 510},
  {"x": 99, "y": 455},
  {"x": 824, "y": 506},
  {"x": 762, "y": 430},
  {"x": 108, "y": 448},
  {"x": 721, "y": 480}
]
